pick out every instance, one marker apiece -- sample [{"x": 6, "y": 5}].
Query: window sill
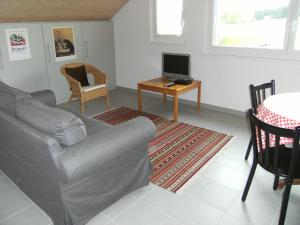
[
  {"x": 268, "y": 54},
  {"x": 180, "y": 40}
]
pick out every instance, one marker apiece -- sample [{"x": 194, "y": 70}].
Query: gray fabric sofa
[{"x": 71, "y": 183}]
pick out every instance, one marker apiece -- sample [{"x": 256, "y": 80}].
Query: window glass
[
  {"x": 297, "y": 35},
  {"x": 169, "y": 17},
  {"x": 251, "y": 23}
]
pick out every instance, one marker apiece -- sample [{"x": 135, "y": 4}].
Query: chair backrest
[
  {"x": 99, "y": 76},
  {"x": 268, "y": 149},
  {"x": 260, "y": 92}
]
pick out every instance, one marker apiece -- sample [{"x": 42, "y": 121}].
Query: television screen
[{"x": 175, "y": 64}]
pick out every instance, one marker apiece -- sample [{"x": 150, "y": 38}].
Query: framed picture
[
  {"x": 64, "y": 43},
  {"x": 18, "y": 44}
]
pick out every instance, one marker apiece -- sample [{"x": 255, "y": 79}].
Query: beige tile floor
[{"x": 213, "y": 197}]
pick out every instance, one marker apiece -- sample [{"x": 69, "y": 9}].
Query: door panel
[
  {"x": 28, "y": 74},
  {"x": 57, "y": 81},
  {"x": 98, "y": 42}
]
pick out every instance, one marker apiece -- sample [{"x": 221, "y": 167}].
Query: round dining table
[{"x": 281, "y": 110}]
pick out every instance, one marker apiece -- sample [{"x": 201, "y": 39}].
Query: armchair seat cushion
[
  {"x": 64, "y": 126},
  {"x": 93, "y": 87}
]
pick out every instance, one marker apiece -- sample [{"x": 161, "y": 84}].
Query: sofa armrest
[
  {"x": 45, "y": 96},
  {"x": 92, "y": 156}
]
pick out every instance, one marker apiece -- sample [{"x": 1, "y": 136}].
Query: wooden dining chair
[
  {"x": 88, "y": 92},
  {"x": 274, "y": 157},
  {"x": 258, "y": 94}
]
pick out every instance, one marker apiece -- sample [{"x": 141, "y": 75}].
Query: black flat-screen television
[{"x": 176, "y": 66}]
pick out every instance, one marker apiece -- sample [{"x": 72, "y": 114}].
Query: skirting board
[{"x": 189, "y": 102}]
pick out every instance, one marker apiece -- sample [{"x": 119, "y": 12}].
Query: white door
[
  {"x": 63, "y": 44},
  {"x": 98, "y": 39},
  {"x": 27, "y": 70}
]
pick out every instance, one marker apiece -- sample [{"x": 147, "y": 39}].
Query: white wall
[{"x": 225, "y": 79}]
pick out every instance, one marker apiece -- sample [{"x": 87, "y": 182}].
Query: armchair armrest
[
  {"x": 92, "y": 156},
  {"x": 99, "y": 76},
  {"x": 45, "y": 96}
]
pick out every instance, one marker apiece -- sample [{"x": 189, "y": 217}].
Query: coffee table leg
[
  {"x": 175, "y": 108},
  {"x": 139, "y": 99},
  {"x": 198, "y": 96}
]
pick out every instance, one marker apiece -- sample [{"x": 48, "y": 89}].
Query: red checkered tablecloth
[{"x": 269, "y": 117}]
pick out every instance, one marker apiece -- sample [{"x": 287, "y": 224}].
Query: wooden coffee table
[{"x": 158, "y": 85}]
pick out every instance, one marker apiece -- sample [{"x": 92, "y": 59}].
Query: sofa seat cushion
[
  {"x": 65, "y": 127},
  {"x": 8, "y": 97},
  {"x": 95, "y": 126}
]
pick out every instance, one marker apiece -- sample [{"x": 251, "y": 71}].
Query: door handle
[
  {"x": 86, "y": 47},
  {"x": 48, "y": 53}
]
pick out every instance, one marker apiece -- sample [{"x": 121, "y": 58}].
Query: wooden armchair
[{"x": 85, "y": 94}]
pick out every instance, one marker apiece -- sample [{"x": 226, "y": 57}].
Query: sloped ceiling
[{"x": 58, "y": 10}]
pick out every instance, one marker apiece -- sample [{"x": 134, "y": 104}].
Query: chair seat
[
  {"x": 284, "y": 162},
  {"x": 92, "y": 87}
]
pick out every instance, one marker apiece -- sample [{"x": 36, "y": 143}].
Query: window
[
  {"x": 167, "y": 23},
  {"x": 297, "y": 35},
  {"x": 251, "y": 23},
  {"x": 254, "y": 27}
]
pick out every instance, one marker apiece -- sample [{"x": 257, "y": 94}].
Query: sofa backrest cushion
[
  {"x": 64, "y": 126},
  {"x": 11, "y": 90},
  {"x": 7, "y": 102},
  {"x": 8, "y": 97}
]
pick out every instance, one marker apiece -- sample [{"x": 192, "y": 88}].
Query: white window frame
[
  {"x": 168, "y": 39},
  {"x": 287, "y": 53}
]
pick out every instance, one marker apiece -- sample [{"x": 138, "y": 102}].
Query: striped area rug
[{"x": 178, "y": 150}]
